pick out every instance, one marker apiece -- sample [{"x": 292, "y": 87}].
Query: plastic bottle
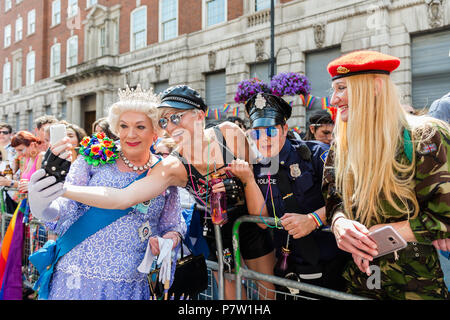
[{"x": 218, "y": 203}]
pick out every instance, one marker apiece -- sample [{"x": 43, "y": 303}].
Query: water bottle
[{"x": 218, "y": 203}]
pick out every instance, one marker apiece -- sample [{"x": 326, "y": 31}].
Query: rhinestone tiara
[{"x": 138, "y": 94}]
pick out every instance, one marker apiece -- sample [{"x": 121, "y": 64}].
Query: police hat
[
  {"x": 182, "y": 97},
  {"x": 265, "y": 110}
]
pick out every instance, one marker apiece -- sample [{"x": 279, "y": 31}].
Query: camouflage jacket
[{"x": 432, "y": 188}]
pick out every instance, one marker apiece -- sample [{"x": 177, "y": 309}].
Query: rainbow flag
[
  {"x": 325, "y": 102},
  {"x": 207, "y": 113},
  {"x": 303, "y": 99},
  {"x": 236, "y": 111},
  {"x": 11, "y": 256},
  {"x": 310, "y": 101},
  {"x": 217, "y": 114},
  {"x": 226, "y": 107}
]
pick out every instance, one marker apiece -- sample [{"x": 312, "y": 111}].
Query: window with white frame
[
  {"x": 262, "y": 4},
  {"x": 215, "y": 11},
  {"x": 103, "y": 42},
  {"x": 17, "y": 72},
  {"x": 7, "y": 38},
  {"x": 139, "y": 28},
  {"x": 72, "y": 51},
  {"x": 72, "y": 8},
  {"x": 19, "y": 29},
  {"x": 31, "y": 22},
  {"x": 56, "y": 12},
  {"x": 55, "y": 60},
  {"x": 169, "y": 17},
  {"x": 8, "y": 5},
  {"x": 31, "y": 67},
  {"x": 90, "y": 3},
  {"x": 6, "y": 77}
]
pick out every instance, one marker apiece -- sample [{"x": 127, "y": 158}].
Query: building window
[
  {"x": 31, "y": 67},
  {"x": 7, "y": 38},
  {"x": 103, "y": 42},
  {"x": 261, "y": 70},
  {"x": 17, "y": 116},
  {"x": 56, "y": 12},
  {"x": 90, "y": 3},
  {"x": 215, "y": 12},
  {"x": 8, "y": 5},
  {"x": 6, "y": 77},
  {"x": 215, "y": 97},
  {"x": 169, "y": 14},
  {"x": 55, "y": 60},
  {"x": 19, "y": 29},
  {"x": 30, "y": 120},
  {"x": 139, "y": 28},
  {"x": 72, "y": 51},
  {"x": 262, "y": 4},
  {"x": 72, "y": 8},
  {"x": 31, "y": 22},
  {"x": 17, "y": 72}
]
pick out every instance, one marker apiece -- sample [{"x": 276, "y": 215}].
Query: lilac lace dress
[{"x": 104, "y": 266}]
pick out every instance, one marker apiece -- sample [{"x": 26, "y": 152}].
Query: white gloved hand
[
  {"x": 164, "y": 258},
  {"x": 147, "y": 262},
  {"x": 41, "y": 193}
]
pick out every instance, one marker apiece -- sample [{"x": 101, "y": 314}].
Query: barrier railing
[{"x": 250, "y": 274}]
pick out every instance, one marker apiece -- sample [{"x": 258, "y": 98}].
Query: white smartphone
[
  {"x": 388, "y": 240},
  {"x": 57, "y": 133}
]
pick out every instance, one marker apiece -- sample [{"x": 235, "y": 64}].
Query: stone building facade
[{"x": 210, "y": 45}]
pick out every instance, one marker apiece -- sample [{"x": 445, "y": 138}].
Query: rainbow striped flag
[
  {"x": 236, "y": 111},
  {"x": 217, "y": 114},
  {"x": 207, "y": 113},
  {"x": 310, "y": 101},
  {"x": 226, "y": 107},
  {"x": 303, "y": 99},
  {"x": 11, "y": 256},
  {"x": 325, "y": 102}
]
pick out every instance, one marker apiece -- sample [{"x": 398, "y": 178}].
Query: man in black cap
[
  {"x": 204, "y": 153},
  {"x": 289, "y": 176}
]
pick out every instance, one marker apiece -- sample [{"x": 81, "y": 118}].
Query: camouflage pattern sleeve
[
  {"x": 433, "y": 188},
  {"x": 333, "y": 201}
]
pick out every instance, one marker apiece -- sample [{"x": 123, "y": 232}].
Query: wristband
[
  {"x": 336, "y": 218},
  {"x": 316, "y": 219}
]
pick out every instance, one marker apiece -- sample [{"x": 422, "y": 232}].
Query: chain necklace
[{"x": 134, "y": 167}]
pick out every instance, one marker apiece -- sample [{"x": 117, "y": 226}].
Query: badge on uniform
[
  {"x": 428, "y": 148},
  {"x": 144, "y": 231},
  {"x": 260, "y": 102},
  {"x": 295, "y": 170},
  {"x": 324, "y": 155}
]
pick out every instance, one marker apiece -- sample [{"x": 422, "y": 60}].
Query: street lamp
[{"x": 272, "y": 38}]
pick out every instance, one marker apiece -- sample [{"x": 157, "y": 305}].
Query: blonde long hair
[{"x": 368, "y": 172}]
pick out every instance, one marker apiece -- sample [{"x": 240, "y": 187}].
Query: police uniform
[
  {"x": 296, "y": 188},
  {"x": 413, "y": 272}
]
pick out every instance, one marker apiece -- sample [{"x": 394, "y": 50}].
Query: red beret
[{"x": 362, "y": 62}]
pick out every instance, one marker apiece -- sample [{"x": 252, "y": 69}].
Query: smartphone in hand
[
  {"x": 57, "y": 133},
  {"x": 388, "y": 240}
]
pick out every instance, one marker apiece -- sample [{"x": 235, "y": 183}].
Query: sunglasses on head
[
  {"x": 271, "y": 132},
  {"x": 174, "y": 118}
]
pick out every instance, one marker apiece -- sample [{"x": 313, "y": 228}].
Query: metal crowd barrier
[{"x": 242, "y": 272}]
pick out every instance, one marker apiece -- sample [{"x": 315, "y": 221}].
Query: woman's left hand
[
  {"x": 298, "y": 225},
  {"x": 362, "y": 264},
  {"x": 442, "y": 244},
  {"x": 23, "y": 186},
  {"x": 154, "y": 244}
]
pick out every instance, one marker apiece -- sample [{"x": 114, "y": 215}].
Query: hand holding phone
[
  {"x": 57, "y": 133},
  {"x": 388, "y": 240}
]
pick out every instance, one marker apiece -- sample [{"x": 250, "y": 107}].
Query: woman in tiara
[
  {"x": 105, "y": 265},
  {"x": 201, "y": 153}
]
